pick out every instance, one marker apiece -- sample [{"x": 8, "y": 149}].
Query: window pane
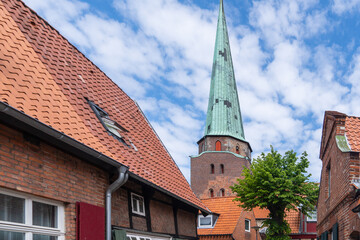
[
  {"x": 205, "y": 221},
  {"x": 44, "y": 215},
  {"x": 4, "y": 235},
  {"x": 134, "y": 204},
  {"x": 12, "y": 209},
  {"x": 141, "y": 206},
  {"x": 44, "y": 237},
  {"x": 247, "y": 225}
]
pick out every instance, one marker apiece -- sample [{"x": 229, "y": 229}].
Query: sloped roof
[
  {"x": 261, "y": 213},
  {"x": 47, "y": 78},
  {"x": 292, "y": 217},
  {"x": 229, "y": 215},
  {"x": 223, "y": 114},
  {"x": 352, "y": 131}
]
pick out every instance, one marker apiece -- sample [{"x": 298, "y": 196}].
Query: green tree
[{"x": 277, "y": 183}]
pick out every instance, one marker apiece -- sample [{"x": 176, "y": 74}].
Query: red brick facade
[
  {"x": 337, "y": 193},
  {"x": 215, "y": 170},
  {"x": 43, "y": 170}
]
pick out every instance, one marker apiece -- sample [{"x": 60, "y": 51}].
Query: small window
[
  {"x": 211, "y": 193},
  {"x": 222, "y": 168},
  {"x": 222, "y": 192},
  {"x": 23, "y": 216},
  {"x": 247, "y": 225},
  {"x": 218, "y": 146},
  {"x": 328, "y": 170},
  {"x": 237, "y": 150},
  {"x": 133, "y": 236},
  {"x": 212, "y": 168},
  {"x": 110, "y": 125},
  {"x": 312, "y": 216},
  {"x": 205, "y": 222},
  {"x": 137, "y": 204}
]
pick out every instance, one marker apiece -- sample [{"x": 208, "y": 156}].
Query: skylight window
[{"x": 110, "y": 125}]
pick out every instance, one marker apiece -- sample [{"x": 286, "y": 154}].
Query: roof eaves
[
  {"x": 24, "y": 122},
  {"x": 137, "y": 177}
]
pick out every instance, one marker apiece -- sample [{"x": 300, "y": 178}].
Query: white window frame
[
  {"x": 247, "y": 230},
  {"x": 138, "y": 204},
  {"x": 206, "y": 226},
  {"x": 140, "y": 236},
  {"x": 310, "y": 218},
  {"x": 27, "y": 227}
]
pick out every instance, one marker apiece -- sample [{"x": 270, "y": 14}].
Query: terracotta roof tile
[
  {"x": 292, "y": 217},
  {"x": 47, "y": 78},
  {"x": 261, "y": 213},
  {"x": 229, "y": 215},
  {"x": 352, "y": 131}
]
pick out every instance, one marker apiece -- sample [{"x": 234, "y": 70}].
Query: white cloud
[{"x": 343, "y": 6}]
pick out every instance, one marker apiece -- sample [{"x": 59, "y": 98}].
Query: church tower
[{"x": 223, "y": 150}]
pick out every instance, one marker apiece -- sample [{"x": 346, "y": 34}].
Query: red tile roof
[
  {"x": 47, "y": 78},
  {"x": 352, "y": 130},
  {"x": 292, "y": 217},
  {"x": 261, "y": 213},
  {"x": 229, "y": 215}
]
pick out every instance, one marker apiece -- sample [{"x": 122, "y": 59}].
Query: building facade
[
  {"x": 339, "y": 195},
  {"x": 78, "y": 158}
]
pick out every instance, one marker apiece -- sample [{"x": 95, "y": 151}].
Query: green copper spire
[{"x": 223, "y": 115}]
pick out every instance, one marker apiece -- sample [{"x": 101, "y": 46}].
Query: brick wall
[
  {"x": 45, "y": 171},
  {"x": 161, "y": 209},
  {"x": 202, "y": 179},
  {"x": 240, "y": 233},
  {"x": 227, "y": 144},
  {"x": 335, "y": 207}
]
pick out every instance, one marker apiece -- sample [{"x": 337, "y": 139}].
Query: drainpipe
[{"x": 121, "y": 180}]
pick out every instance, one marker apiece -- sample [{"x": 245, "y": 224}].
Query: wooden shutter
[
  {"x": 335, "y": 231},
  {"x": 90, "y": 222},
  {"x": 119, "y": 234}
]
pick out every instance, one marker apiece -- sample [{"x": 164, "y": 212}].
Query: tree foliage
[{"x": 277, "y": 183}]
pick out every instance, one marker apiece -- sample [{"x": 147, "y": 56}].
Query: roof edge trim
[
  {"x": 217, "y": 135},
  {"x": 55, "y": 134},
  {"x": 237, "y": 155}
]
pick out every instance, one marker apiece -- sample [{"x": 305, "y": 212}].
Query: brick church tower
[{"x": 223, "y": 150}]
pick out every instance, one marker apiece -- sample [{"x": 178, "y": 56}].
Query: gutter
[
  {"x": 121, "y": 180},
  {"x": 20, "y": 120}
]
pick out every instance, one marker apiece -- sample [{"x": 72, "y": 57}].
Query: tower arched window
[
  {"x": 218, "y": 146},
  {"x": 222, "y": 168},
  {"x": 222, "y": 192},
  {"x": 212, "y": 168},
  {"x": 237, "y": 150},
  {"x": 211, "y": 192}
]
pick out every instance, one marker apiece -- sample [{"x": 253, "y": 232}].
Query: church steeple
[
  {"x": 223, "y": 151},
  {"x": 223, "y": 115}
]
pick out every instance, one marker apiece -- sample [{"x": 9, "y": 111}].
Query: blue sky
[{"x": 293, "y": 60}]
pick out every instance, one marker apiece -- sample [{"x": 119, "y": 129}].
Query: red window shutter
[{"x": 90, "y": 222}]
